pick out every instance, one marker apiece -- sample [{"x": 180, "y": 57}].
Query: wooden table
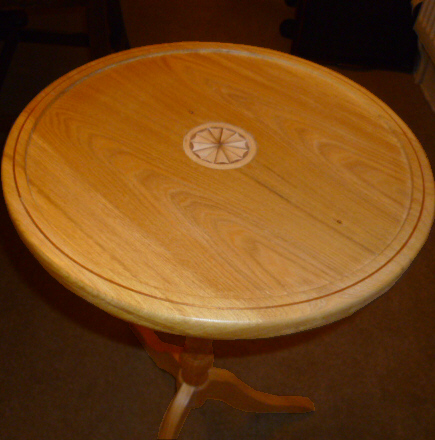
[{"x": 218, "y": 192}]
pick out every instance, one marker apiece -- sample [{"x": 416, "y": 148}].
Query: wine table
[{"x": 217, "y": 191}]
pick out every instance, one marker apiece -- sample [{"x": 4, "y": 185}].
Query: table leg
[
  {"x": 166, "y": 356},
  {"x": 177, "y": 412},
  {"x": 198, "y": 380},
  {"x": 225, "y": 386}
]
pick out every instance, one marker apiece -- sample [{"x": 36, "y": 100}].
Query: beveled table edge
[{"x": 223, "y": 327}]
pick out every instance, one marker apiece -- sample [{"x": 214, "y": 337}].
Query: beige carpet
[{"x": 68, "y": 371}]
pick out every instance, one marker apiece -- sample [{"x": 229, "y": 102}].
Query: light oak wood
[
  {"x": 198, "y": 380},
  {"x": 329, "y": 213},
  {"x": 177, "y": 412},
  {"x": 219, "y": 145}
]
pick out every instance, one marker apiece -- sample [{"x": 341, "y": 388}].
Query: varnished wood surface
[
  {"x": 332, "y": 209},
  {"x": 198, "y": 381}
]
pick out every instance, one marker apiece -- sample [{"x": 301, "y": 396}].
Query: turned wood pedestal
[
  {"x": 197, "y": 381},
  {"x": 217, "y": 191}
]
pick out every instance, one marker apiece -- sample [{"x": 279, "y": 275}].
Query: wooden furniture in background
[
  {"x": 217, "y": 191},
  {"x": 105, "y": 31}
]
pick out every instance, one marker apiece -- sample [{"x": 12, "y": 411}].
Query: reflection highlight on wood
[
  {"x": 316, "y": 221},
  {"x": 217, "y": 191}
]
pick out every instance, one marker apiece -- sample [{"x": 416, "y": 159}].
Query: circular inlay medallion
[{"x": 219, "y": 145}]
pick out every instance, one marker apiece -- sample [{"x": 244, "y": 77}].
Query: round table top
[{"x": 217, "y": 190}]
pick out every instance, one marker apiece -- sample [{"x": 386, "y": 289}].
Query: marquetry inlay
[
  {"x": 219, "y": 145},
  {"x": 133, "y": 204}
]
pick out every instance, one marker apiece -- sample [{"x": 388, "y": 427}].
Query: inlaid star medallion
[{"x": 219, "y": 145}]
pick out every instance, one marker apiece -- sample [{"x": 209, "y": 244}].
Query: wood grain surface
[{"x": 329, "y": 213}]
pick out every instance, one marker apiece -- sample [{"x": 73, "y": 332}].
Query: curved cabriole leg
[
  {"x": 166, "y": 356},
  {"x": 177, "y": 412},
  {"x": 198, "y": 381},
  {"x": 225, "y": 386}
]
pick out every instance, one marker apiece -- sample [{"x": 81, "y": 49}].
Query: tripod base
[{"x": 198, "y": 380}]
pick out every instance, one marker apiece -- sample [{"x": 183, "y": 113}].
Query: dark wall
[{"x": 372, "y": 33}]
